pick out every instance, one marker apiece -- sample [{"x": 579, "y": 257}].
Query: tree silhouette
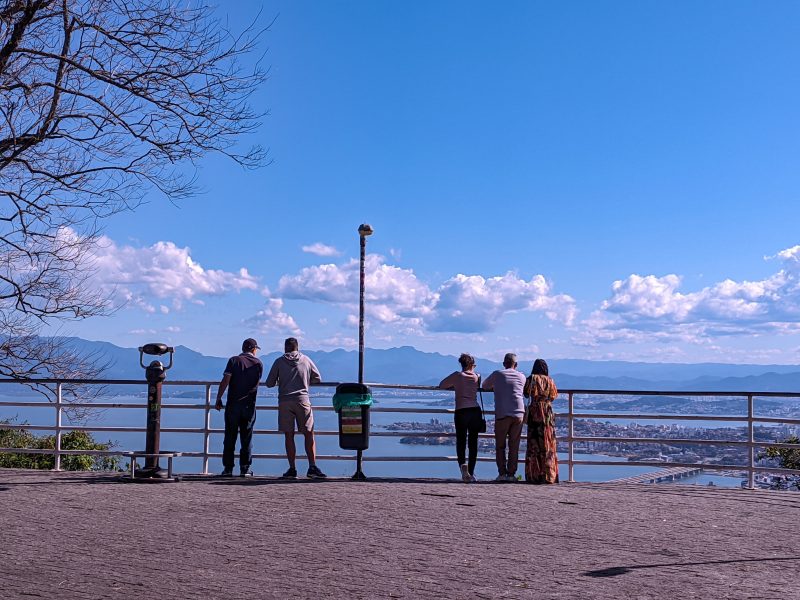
[{"x": 101, "y": 101}]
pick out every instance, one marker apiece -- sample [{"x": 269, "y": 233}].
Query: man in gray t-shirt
[
  {"x": 293, "y": 373},
  {"x": 507, "y": 385}
]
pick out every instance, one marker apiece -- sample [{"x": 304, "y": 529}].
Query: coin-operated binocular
[{"x": 155, "y": 373}]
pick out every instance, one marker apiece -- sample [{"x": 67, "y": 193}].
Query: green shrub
[
  {"x": 788, "y": 458},
  {"x": 73, "y": 440}
]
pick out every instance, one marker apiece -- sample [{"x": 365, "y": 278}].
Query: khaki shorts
[{"x": 291, "y": 412}]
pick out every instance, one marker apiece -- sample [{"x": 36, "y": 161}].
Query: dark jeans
[
  {"x": 468, "y": 423},
  {"x": 240, "y": 417}
]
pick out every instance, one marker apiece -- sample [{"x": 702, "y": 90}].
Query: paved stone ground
[{"x": 82, "y": 536}]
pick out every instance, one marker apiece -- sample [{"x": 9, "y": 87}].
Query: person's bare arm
[
  {"x": 448, "y": 383},
  {"x": 223, "y": 385},
  {"x": 487, "y": 385}
]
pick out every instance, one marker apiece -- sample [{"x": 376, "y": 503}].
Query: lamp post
[{"x": 364, "y": 230}]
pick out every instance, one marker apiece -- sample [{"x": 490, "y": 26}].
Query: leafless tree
[{"x": 101, "y": 101}]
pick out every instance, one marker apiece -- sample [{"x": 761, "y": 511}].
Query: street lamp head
[{"x": 364, "y": 230}]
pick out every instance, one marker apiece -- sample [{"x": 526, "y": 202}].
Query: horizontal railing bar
[
  {"x": 654, "y": 417},
  {"x": 738, "y": 394},
  {"x": 587, "y": 392},
  {"x": 440, "y": 411}
]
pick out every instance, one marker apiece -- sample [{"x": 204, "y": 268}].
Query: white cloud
[
  {"x": 474, "y": 304},
  {"x": 272, "y": 319},
  {"x": 394, "y": 295},
  {"x": 320, "y": 249},
  {"x": 337, "y": 341},
  {"x": 391, "y": 293},
  {"x": 162, "y": 271},
  {"x": 653, "y": 308}
]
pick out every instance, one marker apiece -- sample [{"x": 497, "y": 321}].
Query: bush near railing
[
  {"x": 73, "y": 440},
  {"x": 788, "y": 458}
]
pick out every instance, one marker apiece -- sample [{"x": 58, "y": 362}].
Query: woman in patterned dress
[{"x": 541, "y": 460}]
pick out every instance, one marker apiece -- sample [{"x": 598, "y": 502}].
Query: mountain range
[{"x": 407, "y": 365}]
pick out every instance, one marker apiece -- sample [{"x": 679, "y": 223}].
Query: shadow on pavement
[
  {"x": 101, "y": 480},
  {"x": 615, "y": 571},
  {"x": 214, "y": 480}
]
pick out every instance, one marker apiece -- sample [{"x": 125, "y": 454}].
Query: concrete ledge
[{"x": 72, "y": 535}]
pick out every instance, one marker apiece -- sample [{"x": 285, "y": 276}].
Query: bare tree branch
[{"x": 100, "y": 101}]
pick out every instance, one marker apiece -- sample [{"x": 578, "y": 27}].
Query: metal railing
[{"x": 751, "y": 444}]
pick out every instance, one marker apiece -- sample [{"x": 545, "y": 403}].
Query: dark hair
[
  {"x": 509, "y": 360},
  {"x": 290, "y": 345},
  {"x": 540, "y": 367},
  {"x": 466, "y": 361}
]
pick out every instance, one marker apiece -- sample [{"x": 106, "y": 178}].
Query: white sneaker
[
  {"x": 511, "y": 478},
  {"x": 473, "y": 479},
  {"x": 502, "y": 478},
  {"x": 465, "y": 474}
]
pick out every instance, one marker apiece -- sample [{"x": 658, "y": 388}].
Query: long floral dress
[{"x": 541, "y": 460}]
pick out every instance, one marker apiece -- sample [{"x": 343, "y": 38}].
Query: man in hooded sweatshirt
[{"x": 293, "y": 373}]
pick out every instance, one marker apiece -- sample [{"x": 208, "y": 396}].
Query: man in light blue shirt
[{"x": 507, "y": 385}]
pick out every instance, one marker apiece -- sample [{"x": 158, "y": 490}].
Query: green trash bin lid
[{"x": 351, "y": 394}]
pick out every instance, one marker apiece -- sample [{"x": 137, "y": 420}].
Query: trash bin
[{"x": 352, "y": 402}]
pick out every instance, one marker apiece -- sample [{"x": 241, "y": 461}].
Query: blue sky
[{"x": 516, "y": 160}]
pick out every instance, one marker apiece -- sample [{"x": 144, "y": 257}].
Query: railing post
[
  {"x": 57, "y": 453},
  {"x": 206, "y": 428},
  {"x": 751, "y": 444},
  {"x": 571, "y": 455}
]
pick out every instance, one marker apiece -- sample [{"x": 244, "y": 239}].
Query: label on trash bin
[{"x": 351, "y": 420}]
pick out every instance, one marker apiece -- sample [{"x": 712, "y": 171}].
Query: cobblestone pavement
[{"x": 82, "y": 536}]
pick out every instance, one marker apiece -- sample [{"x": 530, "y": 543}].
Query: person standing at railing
[
  {"x": 468, "y": 416},
  {"x": 509, "y": 407},
  {"x": 241, "y": 377},
  {"x": 294, "y": 373},
  {"x": 541, "y": 460}
]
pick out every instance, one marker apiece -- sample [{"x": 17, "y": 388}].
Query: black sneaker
[
  {"x": 315, "y": 473},
  {"x": 246, "y": 473},
  {"x": 291, "y": 473},
  {"x": 227, "y": 473}
]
